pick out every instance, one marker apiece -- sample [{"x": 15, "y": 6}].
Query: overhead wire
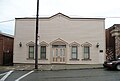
[{"x": 7, "y": 21}]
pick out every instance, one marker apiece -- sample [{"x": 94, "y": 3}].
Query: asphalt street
[{"x": 62, "y": 75}]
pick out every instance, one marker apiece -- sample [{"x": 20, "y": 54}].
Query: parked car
[{"x": 115, "y": 64}]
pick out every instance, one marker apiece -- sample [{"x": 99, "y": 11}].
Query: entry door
[{"x": 58, "y": 54}]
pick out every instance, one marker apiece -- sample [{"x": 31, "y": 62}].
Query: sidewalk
[{"x": 23, "y": 67}]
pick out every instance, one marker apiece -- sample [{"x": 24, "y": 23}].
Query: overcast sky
[{"x": 10, "y": 9}]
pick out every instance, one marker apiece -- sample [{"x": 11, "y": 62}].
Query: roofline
[
  {"x": 113, "y": 26},
  {"x": 58, "y": 14},
  {"x": 8, "y": 35}
]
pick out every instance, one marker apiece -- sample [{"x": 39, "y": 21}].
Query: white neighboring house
[{"x": 63, "y": 40}]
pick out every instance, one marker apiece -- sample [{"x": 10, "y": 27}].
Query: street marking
[
  {"x": 24, "y": 75},
  {"x": 5, "y": 77},
  {"x": 3, "y": 74}
]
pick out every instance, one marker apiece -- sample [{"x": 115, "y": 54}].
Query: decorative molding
[
  {"x": 58, "y": 41},
  {"x": 43, "y": 43},
  {"x": 31, "y": 43},
  {"x": 42, "y": 59},
  {"x": 86, "y": 59},
  {"x": 86, "y": 44},
  {"x": 59, "y": 14},
  {"x": 30, "y": 59},
  {"x": 74, "y": 44},
  {"x": 74, "y": 59}
]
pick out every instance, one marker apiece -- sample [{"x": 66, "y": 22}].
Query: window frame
[
  {"x": 86, "y": 53},
  {"x": 74, "y": 53},
  {"x": 43, "y": 53},
  {"x": 29, "y": 52}
]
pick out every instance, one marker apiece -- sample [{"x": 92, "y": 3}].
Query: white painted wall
[{"x": 83, "y": 30}]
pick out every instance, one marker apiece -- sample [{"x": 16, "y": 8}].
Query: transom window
[{"x": 58, "y": 46}]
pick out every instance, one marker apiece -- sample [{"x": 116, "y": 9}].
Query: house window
[
  {"x": 31, "y": 52},
  {"x": 56, "y": 52},
  {"x": 43, "y": 52},
  {"x": 74, "y": 52},
  {"x": 86, "y": 52}
]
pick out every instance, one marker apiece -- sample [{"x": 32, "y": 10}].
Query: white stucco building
[{"x": 63, "y": 40}]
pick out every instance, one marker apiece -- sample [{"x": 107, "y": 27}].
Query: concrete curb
[{"x": 22, "y": 67}]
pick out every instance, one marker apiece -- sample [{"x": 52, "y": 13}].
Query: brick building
[
  {"x": 6, "y": 49},
  {"x": 113, "y": 42}
]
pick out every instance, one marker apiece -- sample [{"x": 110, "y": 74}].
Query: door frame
[
  {"x": 58, "y": 56},
  {"x": 58, "y": 42}
]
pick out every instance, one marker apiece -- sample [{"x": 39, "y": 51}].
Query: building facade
[
  {"x": 113, "y": 42},
  {"x": 62, "y": 40},
  {"x": 6, "y": 49}
]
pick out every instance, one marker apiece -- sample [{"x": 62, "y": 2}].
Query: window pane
[
  {"x": 86, "y": 49},
  {"x": 74, "y": 56},
  {"x": 31, "y": 48},
  {"x": 43, "y": 48},
  {"x": 74, "y": 52},
  {"x": 56, "y": 52},
  {"x": 31, "y": 52},
  {"x": 86, "y": 52},
  {"x": 43, "y": 52},
  {"x": 31, "y": 55},
  {"x": 86, "y": 56},
  {"x": 53, "y": 52},
  {"x": 61, "y": 52},
  {"x": 43, "y": 56},
  {"x": 74, "y": 49}
]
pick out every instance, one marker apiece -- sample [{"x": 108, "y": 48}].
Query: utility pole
[{"x": 36, "y": 36}]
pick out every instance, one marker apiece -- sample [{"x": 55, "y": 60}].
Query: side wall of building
[
  {"x": 110, "y": 44},
  {"x": 6, "y": 47},
  {"x": 1, "y": 49}
]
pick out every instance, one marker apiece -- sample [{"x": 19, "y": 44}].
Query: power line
[
  {"x": 6, "y": 21},
  {"x": 112, "y": 17}
]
